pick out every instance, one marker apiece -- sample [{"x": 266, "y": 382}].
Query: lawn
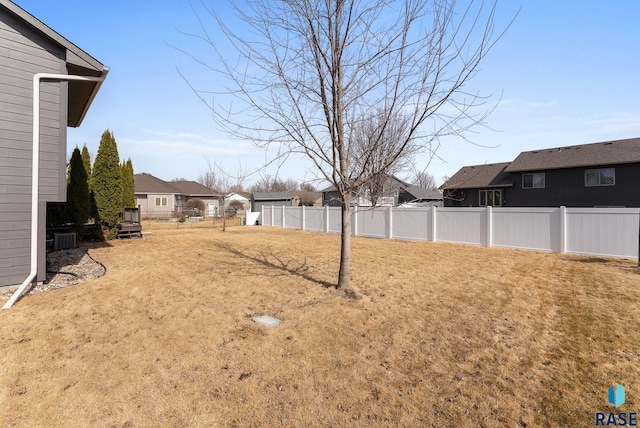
[{"x": 444, "y": 335}]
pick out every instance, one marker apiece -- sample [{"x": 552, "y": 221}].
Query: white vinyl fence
[{"x": 609, "y": 232}]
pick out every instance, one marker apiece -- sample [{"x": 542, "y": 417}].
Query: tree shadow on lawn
[
  {"x": 622, "y": 264},
  {"x": 272, "y": 260}
]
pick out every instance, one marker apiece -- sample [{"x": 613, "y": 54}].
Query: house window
[
  {"x": 533, "y": 180},
  {"x": 161, "y": 202},
  {"x": 600, "y": 177},
  {"x": 490, "y": 198}
]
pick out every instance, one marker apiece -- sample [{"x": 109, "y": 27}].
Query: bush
[{"x": 195, "y": 204}]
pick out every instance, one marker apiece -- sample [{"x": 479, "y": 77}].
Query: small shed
[{"x": 267, "y": 199}]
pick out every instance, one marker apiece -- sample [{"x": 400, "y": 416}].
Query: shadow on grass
[
  {"x": 621, "y": 264},
  {"x": 272, "y": 260}
]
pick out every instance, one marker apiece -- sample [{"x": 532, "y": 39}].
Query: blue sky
[{"x": 566, "y": 72}]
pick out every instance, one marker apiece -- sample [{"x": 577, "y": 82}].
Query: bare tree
[
  {"x": 290, "y": 184},
  {"x": 309, "y": 73},
  {"x": 422, "y": 178},
  {"x": 221, "y": 184},
  {"x": 376, "y": 140},
  {"x": 267, "y": 183},
  {"x": 307, "y": 187}
]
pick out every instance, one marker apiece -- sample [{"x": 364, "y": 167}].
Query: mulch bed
[{"x": 65, "y": 268}]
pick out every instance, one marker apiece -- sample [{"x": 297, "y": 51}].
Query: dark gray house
[
  {"x": 28, "y": 47},
  {"x": 477, "y": 185},
  {"x": 603, "y": 174}
]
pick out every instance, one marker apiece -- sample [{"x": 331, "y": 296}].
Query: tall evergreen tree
[
  {"x": 78, "y": 201},
  {"x": 86, "y": 160},
  {"x": 128, "y": 184},
  {"x": 106, "y": 183}
]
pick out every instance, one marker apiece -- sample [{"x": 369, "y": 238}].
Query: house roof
[
  {"x": 192, "y": 188},
  {"x": 78, "y": 62},
  {"x": 271, "y": 196},
  {"x": 605, "y": 153},
  {"x": 393, "y": 182},
  {"x": 478, "y": 176},
  {"x": 147, "y": 183},
  {"x": 242, "y": 195},
  {"x": 305, "y": 194},
  {"x": 420, "y": 193}
]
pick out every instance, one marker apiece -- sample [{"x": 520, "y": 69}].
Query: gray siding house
[
  {"x": 159, "y": 198},
  {"x": 29, "y": 47},
  {"x": 605, "y": 174}
]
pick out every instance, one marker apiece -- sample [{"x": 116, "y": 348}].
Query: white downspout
[{"x": 35, "y": 173}]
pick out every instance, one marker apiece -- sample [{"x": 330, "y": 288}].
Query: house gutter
[{"x": 35, "y": 171}]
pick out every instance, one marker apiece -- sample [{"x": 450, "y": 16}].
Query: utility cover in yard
[{"x": 267, "y": 321}]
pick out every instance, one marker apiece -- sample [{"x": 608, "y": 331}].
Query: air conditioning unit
[{"x": 64, "y": 241}]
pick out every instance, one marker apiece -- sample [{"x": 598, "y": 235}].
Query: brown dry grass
[{"x": 445, "y": 335}]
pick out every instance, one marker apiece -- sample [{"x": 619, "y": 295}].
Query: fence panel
[
  {"x": 526, "y": 229},
  {"x": 603, "y": 231},
  {"x": 371, "y": 222},
  {"x": 610, "y": 232},
  {"x": 467, "y": 226},
  {"x": 293, "y": 218},
  {"x": 335, "y": 220},
  {"x": 315, "y": 219},
  {"x": 266, "y": 216},
  {"x": 412, "y": 224},
  {"x": 277, "y": 216}
]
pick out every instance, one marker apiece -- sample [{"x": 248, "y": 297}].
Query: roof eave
[{"x": 89, "y": 101}]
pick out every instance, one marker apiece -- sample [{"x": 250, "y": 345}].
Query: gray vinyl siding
[{"x": 23, "y": 53}]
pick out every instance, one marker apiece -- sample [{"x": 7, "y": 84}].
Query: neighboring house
[
  {"x": 27, "y": 47},
  {"x": 159, "y": 198},
  {"x": 307, "y": 198},
  {"x": 394, "y": 192},
  {"x": 242, "y": 197},
  {"x": 418, "y": 196},
  {"x": 260, "y": 199},
  {"x": 603, "y": 174},
  {"x": 194, "y": 190},
  {"x": 477, "y": 185}
]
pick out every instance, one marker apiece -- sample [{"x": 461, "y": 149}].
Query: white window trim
[
  {"x": 598, "y": 170},
  {"x": 544, "y": 180},
  {"x": 158, "y": 201}
]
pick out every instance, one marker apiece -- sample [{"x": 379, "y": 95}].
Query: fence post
[
  {"x": 489, "y": 226},
  {"x": 303, "y": 218},
  {"x": 563, "y": 229},
  {"x": 272, "y": 216},
  {"x": 390, "y": 223},
  {"x": 284, "y": 212},
  {"x": 326, "y": 218},
  {"x": 433, "y": 224},
  {"x": 262, "y": 214},
  {"x": 354, "y": 220}
]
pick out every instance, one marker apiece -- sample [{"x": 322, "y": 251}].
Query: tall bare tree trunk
[
  {"x": 314, "y": 73},
  {"x": 344, "y": 275}
]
